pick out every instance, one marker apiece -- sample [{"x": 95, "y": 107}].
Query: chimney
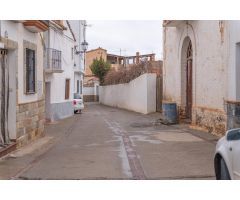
[
  {"x": 152, "y": 57},
  {"x": 137, "y": 57}
]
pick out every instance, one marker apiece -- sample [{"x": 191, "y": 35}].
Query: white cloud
[{"x": 144, "y": 36}]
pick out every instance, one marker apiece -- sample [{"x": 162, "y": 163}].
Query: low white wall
[
  {"x": 139, "y": 95},
  {"x": 88, "y": 91}
]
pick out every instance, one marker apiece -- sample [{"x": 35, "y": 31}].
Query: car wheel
[{"x": 224, "y": 171}]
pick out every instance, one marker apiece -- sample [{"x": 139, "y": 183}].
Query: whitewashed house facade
[
  {"x": 201, "y": 69},
  {"x": 22, "y": 77},
  {"x": 79, "y": 30},
  {"x": 64, "y": 66}
]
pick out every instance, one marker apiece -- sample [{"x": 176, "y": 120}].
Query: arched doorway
[
  {"x": 189, "y": 82},
  {"x": 186, "y": 77}
]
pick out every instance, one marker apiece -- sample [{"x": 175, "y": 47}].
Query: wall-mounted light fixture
[
  {"x": 6, "y": 34},
  {"x": 84, "y": 46}
]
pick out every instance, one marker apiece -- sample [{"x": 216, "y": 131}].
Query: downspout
[
  {"x": 84, "y": 54},
  {"x": 80, "y": 60},
  {"x": 0, "y": 30},
  {"x": 84, "y": 39}
]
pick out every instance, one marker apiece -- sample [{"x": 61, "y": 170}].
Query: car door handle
[{"x": 230, "y": 148}]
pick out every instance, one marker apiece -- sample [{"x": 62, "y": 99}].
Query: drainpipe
[
  {"x": 1, "y": 43},
  {"x": 0, "y": 30},
  {"x": 84, "y": 38}
]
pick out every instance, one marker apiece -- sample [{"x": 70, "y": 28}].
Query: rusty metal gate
[{"x": 159, "y": 93}]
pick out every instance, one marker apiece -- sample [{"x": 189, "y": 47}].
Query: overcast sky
[{"x": 129, "y": 35}]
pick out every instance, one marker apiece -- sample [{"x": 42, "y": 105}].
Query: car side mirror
[{"x": 233, "y": 135}]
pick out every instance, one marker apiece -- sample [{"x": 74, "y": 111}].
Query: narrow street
[{"x": 110, "y": 143}]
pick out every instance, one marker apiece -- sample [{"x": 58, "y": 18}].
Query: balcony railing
[{"x": 53, "y": 61}]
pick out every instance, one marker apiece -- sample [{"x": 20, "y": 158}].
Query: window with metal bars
[{"x": 30, "y": 71}]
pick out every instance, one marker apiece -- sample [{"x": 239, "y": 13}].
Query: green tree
[{"x": 100, "y": 68}]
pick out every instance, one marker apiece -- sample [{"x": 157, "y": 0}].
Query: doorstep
[{"x": 8, "y": 149}]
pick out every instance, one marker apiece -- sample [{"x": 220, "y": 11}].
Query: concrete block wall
[{"x": 139, "y": 95}]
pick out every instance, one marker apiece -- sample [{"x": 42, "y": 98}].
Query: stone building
[
  {"x": 21, "y": 75},
  {"x": 91, "y": 82},
  {"x": 201, "y": 66},
  {"x": 116, "y": 61}
]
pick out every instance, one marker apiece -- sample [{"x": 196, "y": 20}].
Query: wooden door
[{"x": 189, "y": 82}]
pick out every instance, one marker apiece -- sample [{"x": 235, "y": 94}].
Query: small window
[
  {"x": 30, "y": 71},
  {"x": 67, "y": 88}
]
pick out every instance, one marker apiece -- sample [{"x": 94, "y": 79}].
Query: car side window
[{"x": 233, "y": 135}]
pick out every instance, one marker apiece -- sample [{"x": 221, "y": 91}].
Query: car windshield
[{"x": 77, "y": 96}]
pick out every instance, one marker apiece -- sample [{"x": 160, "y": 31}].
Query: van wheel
[{"x": 224, "y": 174}]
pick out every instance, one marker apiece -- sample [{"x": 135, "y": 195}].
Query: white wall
[
  {"x": 233, "y": 62},
  {"x": 139, "y": 95},
  {"x": 78, "y": 27},
  {"x": 18, "y": 33},
  {"x": 210, "y": 62},
  {"x": 88, "y": 91},
  {"x": 63, "y": 42},
  {"x": 92, "y": 90}
]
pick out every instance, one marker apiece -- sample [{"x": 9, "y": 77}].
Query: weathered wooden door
[
  {"x": 189, "y": 82},
  {"x": 159, "y": 94}
]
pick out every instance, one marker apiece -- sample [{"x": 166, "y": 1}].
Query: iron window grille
[
  {"x": 30, "y": 71},
  {"x": 54, "y": 59}
]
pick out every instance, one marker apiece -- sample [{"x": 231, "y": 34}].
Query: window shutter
[{"x": 67, "y": 88}]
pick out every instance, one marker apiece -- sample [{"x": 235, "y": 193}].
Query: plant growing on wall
[{"x": 99, "y": 68}]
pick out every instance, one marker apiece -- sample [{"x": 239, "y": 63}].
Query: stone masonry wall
[
  {"x": 30, "y": 121},
  {"x": 210, "y": 120}
]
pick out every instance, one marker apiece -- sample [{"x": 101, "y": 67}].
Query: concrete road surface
[{"x": 110, "y": 143}]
